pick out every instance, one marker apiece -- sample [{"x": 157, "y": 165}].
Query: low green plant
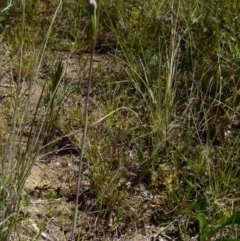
[{"x": 206, "y": 231}]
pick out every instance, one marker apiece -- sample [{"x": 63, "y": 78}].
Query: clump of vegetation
[{"x": 163, "y": 111}]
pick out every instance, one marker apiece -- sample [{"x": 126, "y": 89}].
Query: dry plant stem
[
  {"x": 93, "y": 42},
  {"x": 83, "y": 139}
]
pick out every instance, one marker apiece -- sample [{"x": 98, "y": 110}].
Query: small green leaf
[
  {"x": 140, "y": 156},
  {"x": 201, "y": 206},
  {"x": 234, "y": 219},
  {"x": 201, "y": 220}
]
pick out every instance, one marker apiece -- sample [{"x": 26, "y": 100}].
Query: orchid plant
[{"x": 92, "y": 7}]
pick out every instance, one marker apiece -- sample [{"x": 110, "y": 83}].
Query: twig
[
  {"x": 4, "y": 221},
  {"x": 120, "y": 108},
  {"x": 8, "y": 6},
  {"x": 37, "y": 230}
]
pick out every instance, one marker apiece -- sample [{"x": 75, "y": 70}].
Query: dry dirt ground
[
  {"x": 55, "y": 177},
  {"x": 50, "y": 189}
]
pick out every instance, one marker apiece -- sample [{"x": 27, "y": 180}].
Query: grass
[{"x": 165, "y": 103}]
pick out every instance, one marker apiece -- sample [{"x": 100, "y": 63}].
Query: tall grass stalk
[{"x": 172, "y": 60}]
